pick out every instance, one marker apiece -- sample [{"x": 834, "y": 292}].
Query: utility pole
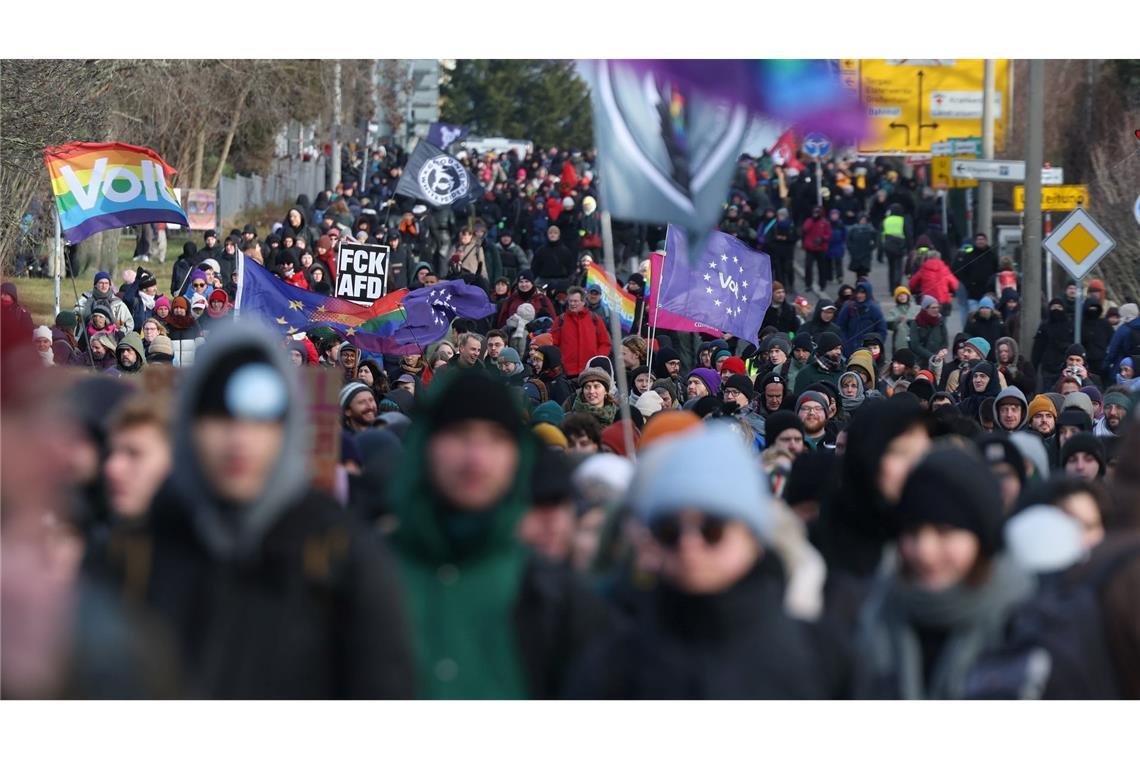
[
  {"x": 335, "y": 176},
  {"x": 986, "y": 189},
  {"x": 1031, "y": 259}
]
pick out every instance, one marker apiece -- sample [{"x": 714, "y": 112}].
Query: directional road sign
[
  {"x": 1079, "y": 243},
  {"x": 816, "y": 145}
]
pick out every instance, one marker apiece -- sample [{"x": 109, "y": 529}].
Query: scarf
[
  {"x": 851, "y": 404},
  {"x": 147, "y": 301},
  {"x": 926, "y": 319},
  {"x": 973, "y": 617},
  {"x": 605, "y": 413}
]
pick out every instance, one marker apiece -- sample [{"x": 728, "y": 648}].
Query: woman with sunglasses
[
  {"x": 715, "y": 626},
  {"x": 198, "y": 284}
]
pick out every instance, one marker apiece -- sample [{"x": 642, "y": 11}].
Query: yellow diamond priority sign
[{"x": 1079, "y": 243}]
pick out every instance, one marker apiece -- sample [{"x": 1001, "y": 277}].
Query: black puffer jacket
[{"x": 734, "y": 645}]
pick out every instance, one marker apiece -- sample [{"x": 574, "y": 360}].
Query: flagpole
[
  {"x": 58, "y": 258},
  {"x": 615, "y": 330},
  {"x": 656, "y": 305},
  {"x": 240, "y": 285}
]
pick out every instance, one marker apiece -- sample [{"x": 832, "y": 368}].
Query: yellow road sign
[
  {"x": 1055, "y": 197},
  {"x": 940, "y": 178},
  {"x": 1079, "y": 243},
  {"x": 912, "y": 102}
]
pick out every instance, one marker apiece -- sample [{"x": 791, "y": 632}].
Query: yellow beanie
[{"x": 550, "y": 435}]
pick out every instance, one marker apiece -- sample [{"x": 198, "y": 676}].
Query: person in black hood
[
  {"x": 296, "y": 224},
  {"x": 822, "y": 320},
  {"x": 546, "y": 365},
  {"x": 399, "y": 261},
  {"x": 183, "y": 266},
  {"x": 979, "y": 383},
  {"x": 1096, "y": 333},
  {"x": 884, "y": 441},
  {"x": 667, "y": 365},
  {"x": 272, "y": 590},
  {"x": 1053, "y": 336}
]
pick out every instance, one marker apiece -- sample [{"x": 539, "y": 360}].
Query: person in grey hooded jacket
[
  {"x": 270, "y": 588},
  {"x": 1011, "y": 411}
]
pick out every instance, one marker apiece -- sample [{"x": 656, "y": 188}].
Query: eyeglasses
[
  {"x": 199, "y": 284},
  {"x": 668, "y": 530},
  {"x": 731, "y": 393},
  {"x": 812, "y": 409}
]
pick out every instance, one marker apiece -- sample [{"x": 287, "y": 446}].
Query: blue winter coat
[
  {"x": 838, "y": 245},
  {"x": 858, "y": 320}
]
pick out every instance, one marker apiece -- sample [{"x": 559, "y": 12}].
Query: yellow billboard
[{"x": 913, "y": 102}]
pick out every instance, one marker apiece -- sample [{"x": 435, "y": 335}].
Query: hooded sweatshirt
[
  {"x": 1017, "y": 395},
  {"x": 225, "y": 576}
]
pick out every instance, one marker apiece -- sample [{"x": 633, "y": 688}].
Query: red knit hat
[{"x": 735, "y": 365}]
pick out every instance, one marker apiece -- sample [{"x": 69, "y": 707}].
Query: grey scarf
[{"x": 890, "y": 661}]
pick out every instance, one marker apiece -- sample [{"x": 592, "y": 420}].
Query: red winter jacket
[
  {"x": 580, "y": 335},
  {"x": 934, "y": 278},
  {"x": 816, "y": 230}
]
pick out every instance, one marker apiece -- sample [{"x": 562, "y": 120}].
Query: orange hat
[
  {"x": 613, "y": 437},
  {"x": 546, "y": 339},
  {"x": 667, "y": 423},
  {"x": 927, "y": 374},
  {"x": 1096, "y": 286}
]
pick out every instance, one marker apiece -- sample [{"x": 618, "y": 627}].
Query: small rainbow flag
[
  {"x": 101, "y": 186},
  {"x": 617, "y": 299}
]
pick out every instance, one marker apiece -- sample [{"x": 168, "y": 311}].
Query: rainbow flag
[
  {"x": 617, "y": 299},
  {"x": 291, "y": 310},
  {"x": 101, "y": 186}
]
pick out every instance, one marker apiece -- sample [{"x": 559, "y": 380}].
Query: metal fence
[{"x": 288, "y": 178}]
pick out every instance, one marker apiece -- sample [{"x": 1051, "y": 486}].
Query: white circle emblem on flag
[{"x": 443, "y": 180}]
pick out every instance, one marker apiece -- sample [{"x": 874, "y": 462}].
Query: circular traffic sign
[{"x": 816, "y": 145}]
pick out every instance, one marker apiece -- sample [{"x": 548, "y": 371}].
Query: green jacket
[
  {"x": 900, "y": 330},
  {"x": 462, "y": 575},
  {"x": 927, "y": 341},
  {"x": 813, "y": 373}
]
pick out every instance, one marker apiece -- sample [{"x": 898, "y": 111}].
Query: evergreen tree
[{"x": 543, "y": 101}]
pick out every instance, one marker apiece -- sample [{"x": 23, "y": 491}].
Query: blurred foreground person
[
  {"x": 273, "y": 591},
  {"x": 946, "y": 601},
  {"x": 715, "y": 626},
  {"x": 491, "y": 620}
]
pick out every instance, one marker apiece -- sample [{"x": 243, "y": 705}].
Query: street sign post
[
  {"x": 1001, "y": 170},
  {"x": 1079, "y": 243},
  {"x": 816, "y": 146},
  {"x": 1055, "y": 198},
  {"x": 912, "y": 103}
]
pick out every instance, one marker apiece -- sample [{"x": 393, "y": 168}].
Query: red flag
[{"x": 784, "y": 151}]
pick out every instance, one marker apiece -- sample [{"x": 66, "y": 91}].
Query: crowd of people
[{"x": 848, "y": 504}]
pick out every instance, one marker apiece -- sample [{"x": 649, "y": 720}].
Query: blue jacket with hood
[{"x": 858, "y": 320}]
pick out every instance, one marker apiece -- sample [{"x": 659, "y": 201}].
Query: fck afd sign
[{"x": 361, "y": 272}]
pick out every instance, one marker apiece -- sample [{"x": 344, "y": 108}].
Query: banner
[
  {"x": 202, "y": 209},
  {"x": 361, "y": 271},
  {"x": 102, "y": 186},
  {"x": 729, "y": 286},
  {"x": 616, "y": 298},
  {"x": 437, "y": 178},
  {"x": 441, "y": 134}
]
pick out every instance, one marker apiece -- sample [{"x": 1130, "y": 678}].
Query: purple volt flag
[{"x": 729, "y": 286}]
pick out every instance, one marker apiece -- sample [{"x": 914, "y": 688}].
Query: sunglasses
[
  {"x": 668, "y": 530},
  {"x": 199, "y": 284}
]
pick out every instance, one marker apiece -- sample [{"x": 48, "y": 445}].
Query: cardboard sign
[
  {"x": 361, "y": 272},
  {"x": 323, "y": 385}
]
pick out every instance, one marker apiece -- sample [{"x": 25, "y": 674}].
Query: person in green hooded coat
[{"x": 489, "y": 619}]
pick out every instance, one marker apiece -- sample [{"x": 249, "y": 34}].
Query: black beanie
[
  {"x": 706, "y": 405},
  {"x": 740, "y": 383},
  {"x": 812, "y": 473},
  {"x": 1086, "y": 442},
  {"x": 472, "y": 395},
  {"x": 771, "y": 379},
  {"x": 803, "y": 340},
  {"x": 905, "y": 357},
  {"x": 780, "y": 421},
  {"x": 526, "y": 274},
  {"x": 1076, "y": 349},
  {"x": 1074, "y": 417},
  {"x": 996, "y": 448},
  {"x": 827, "y": 341},
  {"x": 638, "y": 372},
  {"x": 921, "y": 388},
  {"x": 954, "y": 487}
]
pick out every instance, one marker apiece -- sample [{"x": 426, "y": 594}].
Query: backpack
[{"x": 1055, "y": 646}]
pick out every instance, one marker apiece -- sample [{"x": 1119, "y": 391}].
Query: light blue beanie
[{"x": 709, "y": 469}]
